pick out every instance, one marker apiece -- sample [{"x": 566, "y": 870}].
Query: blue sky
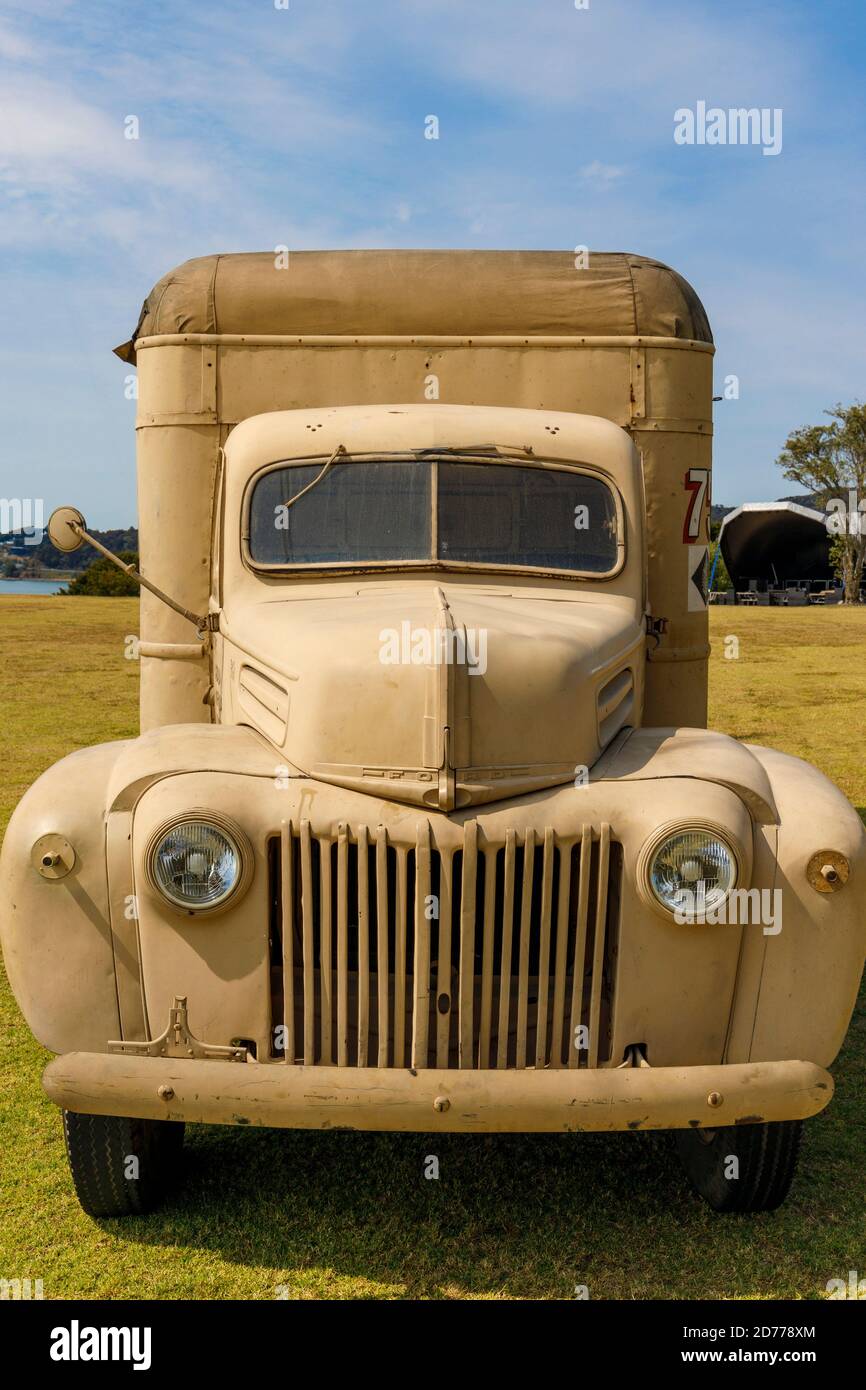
[{"x": 305, "y": 127}]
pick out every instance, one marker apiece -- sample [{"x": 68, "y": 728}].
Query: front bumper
[{"x": 368, "y": 1098}]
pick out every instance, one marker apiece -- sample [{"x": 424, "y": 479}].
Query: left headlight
[
  {"x": 199, "y": 863},
  {"x": 691, "y": 869}
]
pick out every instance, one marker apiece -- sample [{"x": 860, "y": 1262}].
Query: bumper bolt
[
  {"x": 441, "y": 1104},
  {"x": 715, "y": 1099},
  {"x": 165, "y": 1092}
]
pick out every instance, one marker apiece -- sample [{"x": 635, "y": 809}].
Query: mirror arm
[{"x": 208, "y": 623}]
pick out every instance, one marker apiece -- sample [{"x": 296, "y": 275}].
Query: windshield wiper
[
  {"x": 340, "y": 449},
  {"x": 486, "y": 450}
]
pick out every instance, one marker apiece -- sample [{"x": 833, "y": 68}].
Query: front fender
[
  {"x": 56, "y": 933},
  {"x": 71, "y": 945},
  {"x": 797, "y": 986}
]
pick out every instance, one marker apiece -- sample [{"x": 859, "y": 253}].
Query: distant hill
[
  {"x": 806, "y": 499},
  {"x": 48, "y": 558}
]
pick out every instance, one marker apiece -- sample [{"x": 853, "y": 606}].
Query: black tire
[
  {"x": 766, "y": 1157},
  {"x": 99, "y": 1149}
]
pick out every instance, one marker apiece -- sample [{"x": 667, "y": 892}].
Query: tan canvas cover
[{"x": 460, "y": 293}]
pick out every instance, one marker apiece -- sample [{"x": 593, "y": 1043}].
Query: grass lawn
[{"x": 341, "y": 1215}]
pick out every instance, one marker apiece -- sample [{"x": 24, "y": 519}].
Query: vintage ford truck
[{"x": 424, "y": 829}]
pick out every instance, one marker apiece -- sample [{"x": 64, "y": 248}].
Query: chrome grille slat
[
  {"x": 507, "y": 937},
  {"x": 363, "y": 946},
  {"x": 466, "y": 996},
  {"x": 523, "y": 968},
  {"x": 421, "y": 971},
  {"x": 307, "y": 909},
  {"x": 382, "y": 942},
  {"x": 287, "y": 914},
  {"x": 400, "y": 960},
  {"x": 443, "y": 969},
  {"x": 487, "y": 949},
  {"x": 521, "y": 953},
  {"x": 598, "y": 946},
  {"x": 578, "y": 972},
  {"x": 544, "y": 952},
  {"x": 326, "y": 982},
  {"x": 562, "y": 932},
  {"x": 342, "y": 947}
]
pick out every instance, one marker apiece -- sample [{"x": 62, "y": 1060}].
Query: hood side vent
[
  {"x": 265, "y": 702},
  {"x": 615, "y": 704}
]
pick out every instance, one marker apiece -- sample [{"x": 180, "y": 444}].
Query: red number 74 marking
[{"x": 696, "y": 481}]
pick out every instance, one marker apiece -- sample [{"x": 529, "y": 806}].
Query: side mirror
[
  {"x": 67, "y": 531},
  {"x": 60, "y": 529}
]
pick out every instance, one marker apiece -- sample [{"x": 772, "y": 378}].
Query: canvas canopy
[{"x": 422, "y": 293}]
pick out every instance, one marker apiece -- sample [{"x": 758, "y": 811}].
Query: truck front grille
[{"x": 482, "y": 955}]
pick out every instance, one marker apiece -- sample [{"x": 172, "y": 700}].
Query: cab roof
[{"x": 523, "y": 435}]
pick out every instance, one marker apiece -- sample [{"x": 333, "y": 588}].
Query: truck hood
[{"x": 442, "y": 696}]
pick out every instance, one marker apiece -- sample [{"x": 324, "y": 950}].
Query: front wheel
[
  {"x": 120, "y": 1166},
  {"x": 742, "y": 1167}
]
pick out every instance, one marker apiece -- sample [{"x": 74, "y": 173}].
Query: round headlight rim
[
  {"x": 240, "y": 842},
  {"x": 667, "y": 832}
]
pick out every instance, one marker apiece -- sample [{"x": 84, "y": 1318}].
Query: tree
[
  {"x": 719, "y": 570},
  {"x": 103, "y": 579},
  {"x": 830, "y": 461}
]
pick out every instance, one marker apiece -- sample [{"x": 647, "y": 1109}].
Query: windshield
[{"x": 436, "y": 511}]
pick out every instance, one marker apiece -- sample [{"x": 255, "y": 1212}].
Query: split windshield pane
[
  {"x": 499, "y": 514},
  {"x": 359, "y": 513}
]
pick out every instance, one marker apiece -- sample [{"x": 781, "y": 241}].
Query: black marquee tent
[{"x": 776, "y": 545}]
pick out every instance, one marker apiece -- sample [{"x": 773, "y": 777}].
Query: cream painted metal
[
  {"x": 697, "y": 995},
  {"x": 309, "y": 643},
  {"x": 443, "y": 1102}
]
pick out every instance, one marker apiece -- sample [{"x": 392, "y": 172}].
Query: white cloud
[
  {"x": 218, "y": 112},
  {"x": 621, "y": 57},
  {"x": 601, "y": 174},
  {"x": 50, "y": 138},
  {"x": 14, "y": 47}
]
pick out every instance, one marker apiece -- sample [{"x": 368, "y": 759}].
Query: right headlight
[
  {"x": 198, "y": 863},
  {"x": 691, "y": 871}
]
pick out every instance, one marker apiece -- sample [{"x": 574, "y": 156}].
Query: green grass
[
  {"x": 343, "y": 1215},
  {"x": 798, "y": 684}
]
